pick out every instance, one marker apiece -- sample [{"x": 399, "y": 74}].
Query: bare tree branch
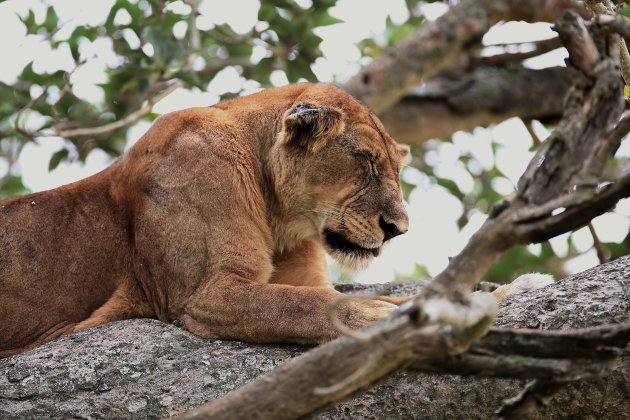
[
  {"x": 159, "y": 92},
  {"x": 484, "y": 96},
  {"x": 445, "y": 319},
  {"x": 535, "y": 395},
  {"x": 593, "y": 109},
  {"x": 428, "y": 50},
  {"x": 602, "y": 256},
  {"x": 606, "y": 7}
]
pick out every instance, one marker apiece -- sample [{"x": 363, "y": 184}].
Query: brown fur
[{"x": 217, "y": 217}]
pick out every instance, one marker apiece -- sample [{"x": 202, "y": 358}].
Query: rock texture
[{"x": 145, "y": 369}]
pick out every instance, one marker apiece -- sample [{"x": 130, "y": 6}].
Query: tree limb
[
  {"x": 483, "y": 96},
  {"x": 429, "y": 49},
  {"x": 593, "y": 108},
  {"x": 444, "y": 319}
]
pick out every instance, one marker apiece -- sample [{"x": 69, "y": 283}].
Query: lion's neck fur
[{"x": 289, "y": 218}]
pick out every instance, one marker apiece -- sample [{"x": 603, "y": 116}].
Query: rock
[{"x": 145, "y": 369}]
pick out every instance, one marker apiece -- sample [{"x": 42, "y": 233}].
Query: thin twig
[
  {"x": 154, "y": 96},
  {"x": 530, "y": 130},
  {"x": 366, "y": 367},
  {"x": 128, "y": 120},
  {"x": 193, "y": 33},
  {"x": 599, "y": 246},
  {"x": 17, "y": 124},
  {"x": 536, "y": 394}
]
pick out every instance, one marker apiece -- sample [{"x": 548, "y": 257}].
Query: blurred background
[{"x": 71, "y": 66}]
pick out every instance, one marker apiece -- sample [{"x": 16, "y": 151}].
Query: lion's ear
[
  {"x": 310, "y": 126},
  {"x": 403, "y": 151}
]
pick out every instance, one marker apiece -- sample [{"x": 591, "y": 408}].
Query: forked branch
[{"x": 446, "y": 319}]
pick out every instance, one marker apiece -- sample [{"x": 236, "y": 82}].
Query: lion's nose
[{"x": 390, "y": 230}]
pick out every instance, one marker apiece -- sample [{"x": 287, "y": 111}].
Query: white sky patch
[
  {"x": 278, "y": 78},
  {"x": 560, "y": 244},
  {"x": 611, "y": 227},
  {"x": 581, "y": 262},
  {"x": 478, "y": 144},
  {"x": 432, "y": 11},
  {"x": 241, "y": 15},
  {"x": 549, "y": 59},
  {"x": 183, "y": 98},
  {"x": 225, "y": 81},
  {"x": 535, "y": 249},
  {"x": 136, "y": 131},
  {"x": 582, "y": 239},
  {"x": 517, "y": 32},
  {"x": 502, "y": 185},
  {"x": 623, "y": 207},
  {"x": 513, "y": 155},
  {"x": 36, "y": 156},
  {"x": 624, "y": 148},
  {"x": 540, "y": 130}
]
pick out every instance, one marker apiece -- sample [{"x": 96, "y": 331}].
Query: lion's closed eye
[{"x": 369, "y": 159}]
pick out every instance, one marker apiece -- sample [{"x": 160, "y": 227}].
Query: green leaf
[
  {"x": 12, "y": 186},
  {"x": 284, "y": 4},
  {"x": 266, "y": 12},
  {"x": 190, "y": 77},
  {"x": 304, "y": 68},
  {"x": 165, "y": 50},
  {"x": 323, "y": 4},
  {"x": 51, "y": 21},
  {"x": 322, "y": 18},
  {"x": 29, "y": 22},
  {"x": 624, "y": 10},
  {"x": 28, "y": 75},
  {"x": 56, "y": 158}
]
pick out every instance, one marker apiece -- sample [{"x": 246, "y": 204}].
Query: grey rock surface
[{"x": 145, "y": 369}]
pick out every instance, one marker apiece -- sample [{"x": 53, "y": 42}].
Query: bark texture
[
  {"x": 144, "y": 369},
  {"x": 484, "y": 96},
  {"x": 428, "y": 50}
]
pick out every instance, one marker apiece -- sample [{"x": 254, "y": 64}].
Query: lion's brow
[{"x": 376, "y": 126}]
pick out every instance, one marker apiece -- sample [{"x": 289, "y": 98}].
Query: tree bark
[
  {"x": 431, "y": 48},
  {"x": 144, "y": 369},
  {"x": 484, "y": 96}
]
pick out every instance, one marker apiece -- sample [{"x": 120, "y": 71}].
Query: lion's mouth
[{"x": 338, "y": 242}]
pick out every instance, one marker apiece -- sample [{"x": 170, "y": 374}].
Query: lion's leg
[
  {"x": 396, "y": 300},
  {"x": 524, "y": 283},
  {"x": 304, "y": 265},
  {"x": 236, "y": 309},
  {"x": 125, "y": 303}
]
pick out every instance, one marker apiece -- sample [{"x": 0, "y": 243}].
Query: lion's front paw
[
  {"x": 359, "y": 313},
  {"x": 522, "y": 284}
]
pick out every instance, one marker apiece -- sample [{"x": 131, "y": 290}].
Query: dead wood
[{"x": 145, "y": 369}]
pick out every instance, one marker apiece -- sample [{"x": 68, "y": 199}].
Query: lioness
[{"x": 218, "y": 217}]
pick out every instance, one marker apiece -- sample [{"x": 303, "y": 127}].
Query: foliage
[{"x": 150, "y": 56}]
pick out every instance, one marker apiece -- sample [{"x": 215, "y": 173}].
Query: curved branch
[
  {"x": 484, "y": 96},
  {"x": 128, "y": 120},
  {"x": 430, "y": 48}
]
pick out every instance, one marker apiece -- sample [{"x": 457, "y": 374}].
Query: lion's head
[{"x": 338, "y": 173}]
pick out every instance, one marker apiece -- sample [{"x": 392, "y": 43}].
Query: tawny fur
[{"x": 216, "y": 217}]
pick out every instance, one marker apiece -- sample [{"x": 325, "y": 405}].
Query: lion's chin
[
  {"x": 348, "y": 254},
  {"x": 352, "y": 261}
]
